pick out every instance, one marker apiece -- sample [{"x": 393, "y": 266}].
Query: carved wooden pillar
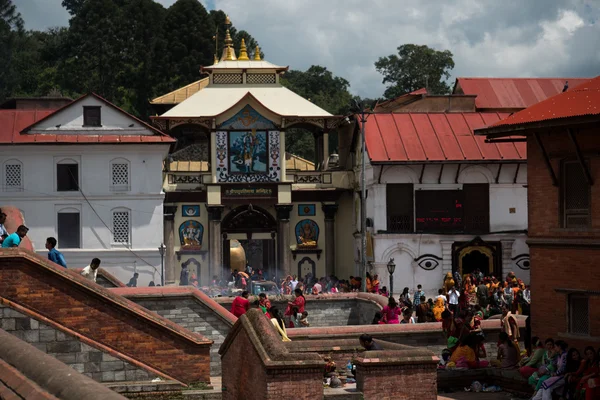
[
  {"x": 169, "y": 238},
  {"x": 329, "y": 210},
  {"x": 284, "y": 256},
  {"x": 215, "y": 248}
]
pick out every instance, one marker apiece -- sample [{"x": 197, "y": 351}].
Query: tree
[
  {"x": 415, "y": 67},
  {"x": 73, "y": 6},
  {"x": 327, "y": 91},
  {"x": 12, "y": 37}
]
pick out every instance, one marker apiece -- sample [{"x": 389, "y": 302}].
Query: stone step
[{"x": 136, "y": 387}]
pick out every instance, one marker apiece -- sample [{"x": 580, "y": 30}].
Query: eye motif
[
  {"x": 522, "y": 261},
  {"x": 428, "y": 261}
]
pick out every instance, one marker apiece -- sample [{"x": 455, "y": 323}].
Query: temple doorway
[
  {"x": 255, "y": 229},
  {"x": 477, "y": 255}
]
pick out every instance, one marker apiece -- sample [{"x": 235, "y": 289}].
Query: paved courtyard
[{"x": 477, "y": 396}]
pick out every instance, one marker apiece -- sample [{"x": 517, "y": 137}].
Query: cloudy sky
[{"x": 520, "y": 38}]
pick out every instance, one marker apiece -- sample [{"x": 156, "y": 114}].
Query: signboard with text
[
  {"x": 236, "y": 192},
  {"x": 439, "y": 211}
]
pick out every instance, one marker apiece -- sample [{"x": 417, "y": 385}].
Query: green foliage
[{"x": 415, "y": 67}]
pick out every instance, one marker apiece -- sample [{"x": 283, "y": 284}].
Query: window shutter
[
  {"x": 476, "y": 207},
  {"x": 576, "y": 196},
  {"x": 68, "y": 230},
  {"x": 121, "y": 227},
  {"x": 579, "y": 317},
  {"x": 399, "y": 207},
  {"x": 12, "y": 177}
]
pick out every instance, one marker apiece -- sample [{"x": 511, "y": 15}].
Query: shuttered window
[
  {"x": 576, "y": 196},
  {"x": 399, "y": 207},
  {"x": 579, "y": 314},
  {"x": 476, "y": 207}
]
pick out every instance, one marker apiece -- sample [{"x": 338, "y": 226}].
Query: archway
[
  {"x": 256, "y": 229},
  {"x": 477, "y": 254}
]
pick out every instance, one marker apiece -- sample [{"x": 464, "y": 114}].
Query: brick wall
[
  {"x": 194, "y": 316},
  {"x": 69, "y": 302},
  {"x": 98, "y": 365},
  {"x": 561, "y": 258},
  {"x": 397, "y": 382}
]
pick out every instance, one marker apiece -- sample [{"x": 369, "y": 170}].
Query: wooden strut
[
  {"x": 422, "y": 171},
  {"x": 584, "y": 166},
  {"x": 440, "y": 175},
  {"x": 457, "y": 173},
  {"x": 546, "y": 159},
  {"x": 498, "y": 174},
  {"x": 516, "y": 173},
  {"x": 380, "y": 173}
]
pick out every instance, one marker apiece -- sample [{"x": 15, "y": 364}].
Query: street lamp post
[
  {"x": 391, "y": 267},
  {"x": 363, "y": 115},
  {"x": 161, "y": 250}
]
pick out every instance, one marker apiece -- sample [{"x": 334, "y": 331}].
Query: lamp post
[
  {"x": 391, "y": 267},
  {"x": 161, "y": 250},
  {"x": 362, "y": 115}
]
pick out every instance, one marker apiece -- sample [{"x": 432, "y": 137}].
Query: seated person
[
  {"x": 465, "y": 354},
  {"x": 508, "y": 355},
  {"x": 368, "y": 343}
]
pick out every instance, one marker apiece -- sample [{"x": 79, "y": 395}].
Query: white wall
[
  {"x": 40, "y": 202},
  {"x": 71, "y": 121}
]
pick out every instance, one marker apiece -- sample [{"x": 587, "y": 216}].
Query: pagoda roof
[
  {"x": 213, "y": 101},
  {"x": 181, "y": 94}
]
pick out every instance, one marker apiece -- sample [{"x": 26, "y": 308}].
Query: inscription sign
[
  {"x": 237, "y": 192},
  {"x": 439, "y": 211}
]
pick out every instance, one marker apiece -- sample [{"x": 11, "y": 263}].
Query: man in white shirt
[
  {"x": 453, "y": 296},
  {"x": 294, "y": 282},
  {"x": 91, "y": 271}
]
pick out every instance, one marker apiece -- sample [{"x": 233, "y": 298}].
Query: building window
[
  {"x": 476, "y": 210},
  {"x": 576, "y": 196},
  {"x": 121, "y": 227},
  {"x": 399, "y": 207},
  {"x": 579, "y": 317},
  {"x": 92, "y": 116},
  {"x": 13, "y": 176},
  {"x": 119, "y": 176},
  {"x": 67, "y": 177},
  {"x": 68, "y": 229}
]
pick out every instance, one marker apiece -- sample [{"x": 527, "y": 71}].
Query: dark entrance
[
  {"x": 477, "y": 254},
  {"x": 251, "y": 220}
]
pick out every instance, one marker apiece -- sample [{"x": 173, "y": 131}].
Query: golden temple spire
[
  {"x": 243, "y": 52},
  {"x": 228, "y": 50},
  {"x": 257, "y": 54}
]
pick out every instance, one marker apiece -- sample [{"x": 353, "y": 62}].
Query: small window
[
  {"x": 13, "y": 178},
  {"x": 92, "y": 116},
  {"x": 579, "y": 317},
  {"x": 121, "y": 227},
  {"x": 119, "y": 176},
  {"x": 68, "y": 230},
  {"x": 67, "y": 177},
  {"x": 576, "y": 196},
  {"x": 399, "y": 207}
]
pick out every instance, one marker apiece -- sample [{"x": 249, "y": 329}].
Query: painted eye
[
  {"x": 522, "y": 261},
  {"x": 428, "y": 261}
]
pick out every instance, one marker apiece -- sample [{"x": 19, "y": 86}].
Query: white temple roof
[
  {"x": 215, "y": 100},
  {"x": 249, "y": 65}
]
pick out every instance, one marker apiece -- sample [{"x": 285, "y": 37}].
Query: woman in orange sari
[{"x": 375, "y": 284}]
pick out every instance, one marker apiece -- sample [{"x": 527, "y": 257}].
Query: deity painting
[
  {"x": 190, "y": 234},
  {"x": 307, "y": 233},
  {"x": 247, "y": 118},
  {"x": 248, "y": 152}
]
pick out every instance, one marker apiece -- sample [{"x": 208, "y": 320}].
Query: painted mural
[
  {"x": 307, "y": 233},
  {"x": 248, "y": 118},
  {"x": 248, "y": 152},
  {"x": 190, "y": 234},
  {"x": 253, "y": 157}
]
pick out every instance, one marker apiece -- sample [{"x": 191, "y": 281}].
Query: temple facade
[{"x": 229, "y": 180}]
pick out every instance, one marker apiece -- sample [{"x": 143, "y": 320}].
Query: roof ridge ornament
[
  {"x": 228, "y": 50},
  {"x": 257, "y": 54},
  {"x": 243, "y": 52}
]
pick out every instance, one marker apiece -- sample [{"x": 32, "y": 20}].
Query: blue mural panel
[
  {"x": 191, "y": 233},
  {"x": 307, "y": 232},
  {"x": 190, "y": 211},
  {"x": 248, "y": 152},
  {"x": 248, "y": 118},
  {"x": 307, "y": 210}
]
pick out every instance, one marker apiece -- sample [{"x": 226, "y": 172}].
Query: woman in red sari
[
  {"x": 588, "y": 387},
  {"x": 299, "y": 303}
]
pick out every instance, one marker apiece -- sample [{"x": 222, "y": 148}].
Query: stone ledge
[{"x": 47, "y": 373}]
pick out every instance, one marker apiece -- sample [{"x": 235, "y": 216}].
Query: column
[
  {"x": 329, "y": 210},
  {"x": 446, "y": 255},
  {"x": 507, "y": 263},
  {"x": 169, "y": 241},
  {"x": 284, "y": 256},
  {"x": 215, "y": 249},
  {"x": 325, "y": 147}
]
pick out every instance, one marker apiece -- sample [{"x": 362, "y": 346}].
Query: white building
[{"x": 90, "y": 175}]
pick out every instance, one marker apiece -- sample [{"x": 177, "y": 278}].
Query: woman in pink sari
[
  {"x": 391, "y": 312},
  {"x": 298, "y": 304}
]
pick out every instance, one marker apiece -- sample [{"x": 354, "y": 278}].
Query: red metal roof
[
  {"x": 420, "y": 137},
  {"x": 13, "y": 123},
  {"x": 580, "y": 101},
  {"x": 495, "y": 93}
]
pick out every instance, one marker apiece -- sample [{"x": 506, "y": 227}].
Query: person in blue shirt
[
  {"x": 14, "y": 239},
  {"x": 54, "y": 255}
]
